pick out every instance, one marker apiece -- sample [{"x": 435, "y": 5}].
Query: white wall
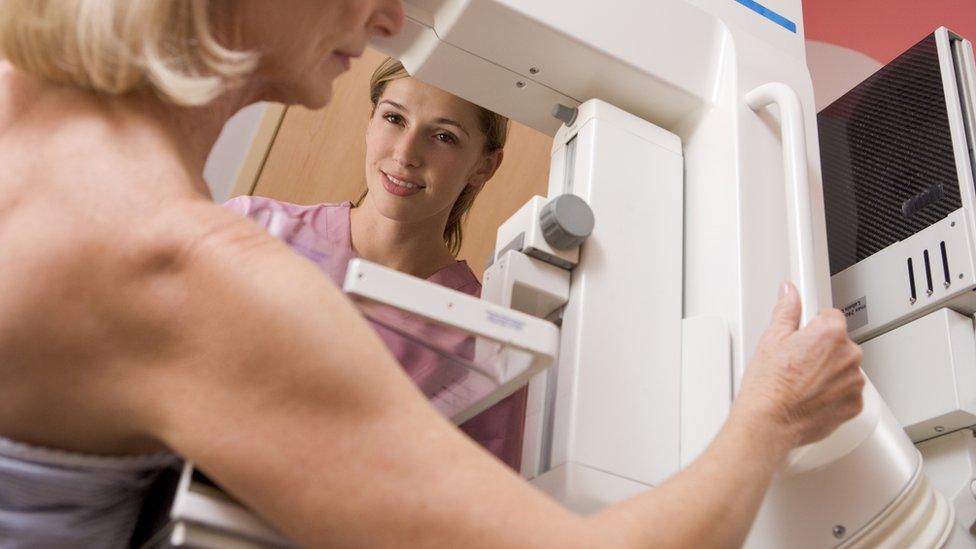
[
  {"x": 231, "y": 148},
  {"x": 835, "y": 70}
]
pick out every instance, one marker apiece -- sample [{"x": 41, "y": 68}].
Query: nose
[
  {"x": 387, "y": 19},
  {"x": 407, "y": 151}
]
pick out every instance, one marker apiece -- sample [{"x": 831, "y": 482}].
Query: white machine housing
[
  {"x": 910, "y": 302},
  {"x": 704, "y": 73},
  {"x": 926, "y": 371},
  {"x": 694, "y": 145},
  {"x": 604, "y": 376}
]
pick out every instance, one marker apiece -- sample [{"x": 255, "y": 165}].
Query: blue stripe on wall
[{"x": 769, "y": 14}]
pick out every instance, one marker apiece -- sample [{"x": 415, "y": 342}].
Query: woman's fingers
[
  {"x": 811, "y": 373},
  {"x": 786, "y": 314}
]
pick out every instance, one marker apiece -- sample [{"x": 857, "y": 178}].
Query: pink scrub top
[{"x": 321, "y": 233}]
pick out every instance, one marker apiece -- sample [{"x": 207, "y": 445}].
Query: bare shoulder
[
  {"x": 126, "y": 295},
  {"x": 113, "y": 280},
  {"x": 125, "y": 291}
]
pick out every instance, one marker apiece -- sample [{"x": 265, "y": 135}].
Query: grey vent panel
[{"x": 888, "y": 164}]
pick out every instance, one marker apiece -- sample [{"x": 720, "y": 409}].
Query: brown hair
[{"x": 493, "y": 125}]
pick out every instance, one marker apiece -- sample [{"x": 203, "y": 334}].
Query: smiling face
[
  {"x": 423, "y": 147},
  {"x": 306, "y": 44}
]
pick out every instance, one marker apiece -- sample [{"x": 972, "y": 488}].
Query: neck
[
  {"x": 192, "y": 131},
  {"x": 417, "y": 249}
]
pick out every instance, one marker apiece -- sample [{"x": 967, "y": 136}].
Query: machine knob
[{"x": 566, "y": 221}]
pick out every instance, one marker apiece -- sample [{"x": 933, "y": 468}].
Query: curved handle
[
  {"x": 798, "y": 186},
  {"x": 852, "y": 433}
]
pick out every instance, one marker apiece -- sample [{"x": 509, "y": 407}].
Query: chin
[
  {"x": 319, "y": 99},
  {"x": 310, "y": 97},
  {"x": 394, "y": 209}
]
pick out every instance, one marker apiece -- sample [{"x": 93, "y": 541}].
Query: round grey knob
[{"x": 566, "y": 221}]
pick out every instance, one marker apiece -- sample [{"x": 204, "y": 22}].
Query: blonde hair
[
  {"x": 115, "y": 47},
  {"x": 493, "y": 125}
]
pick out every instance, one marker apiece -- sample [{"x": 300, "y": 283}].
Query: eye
[
  {"x": 393, "y": 118},
  {"x": 446, "y": 137}
]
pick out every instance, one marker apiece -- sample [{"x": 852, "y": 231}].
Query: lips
[
  {"x": 400, "y": 186},
  {"x": 346, "y": 56}
]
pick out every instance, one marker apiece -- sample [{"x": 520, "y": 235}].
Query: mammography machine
[{"x": 685, "y": 185}]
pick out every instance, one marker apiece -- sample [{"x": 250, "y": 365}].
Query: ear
[{"x": 486, "y": 168}]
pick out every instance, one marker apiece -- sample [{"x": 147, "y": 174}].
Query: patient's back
[
  {"x": 121, "y": 290},
  {"x": 80, "y": 214},
  {"x": 121, "y": 283}
]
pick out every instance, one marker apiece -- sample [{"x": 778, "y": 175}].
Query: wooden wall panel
[
  {"x": 318, "y": 156},
  {"x": 523, "y": 174}
]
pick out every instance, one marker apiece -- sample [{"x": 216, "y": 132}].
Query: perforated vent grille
[{"x": 888, "y": 165}]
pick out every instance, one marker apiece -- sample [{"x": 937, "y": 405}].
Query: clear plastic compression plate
[{"x": 465, "y": 354}]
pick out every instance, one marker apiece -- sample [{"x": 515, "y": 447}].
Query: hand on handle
[{"x": 807, "y": 380}]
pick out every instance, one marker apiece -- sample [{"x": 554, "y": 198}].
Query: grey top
[{"x": 50, "y": 498}]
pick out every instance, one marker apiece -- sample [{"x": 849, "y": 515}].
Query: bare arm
[
  {"x": 342, "y": 449},
  {"x": 195, "y": 328}
]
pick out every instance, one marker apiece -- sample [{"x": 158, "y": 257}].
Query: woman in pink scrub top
[{"x": 428, "y": 154}]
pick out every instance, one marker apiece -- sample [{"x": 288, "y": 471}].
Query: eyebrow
[{"x": 446, "y": 121}]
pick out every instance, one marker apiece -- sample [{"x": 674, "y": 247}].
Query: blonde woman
[
  {"x": 428, "y": 154},
  {"x": 138, "y": 317}
]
